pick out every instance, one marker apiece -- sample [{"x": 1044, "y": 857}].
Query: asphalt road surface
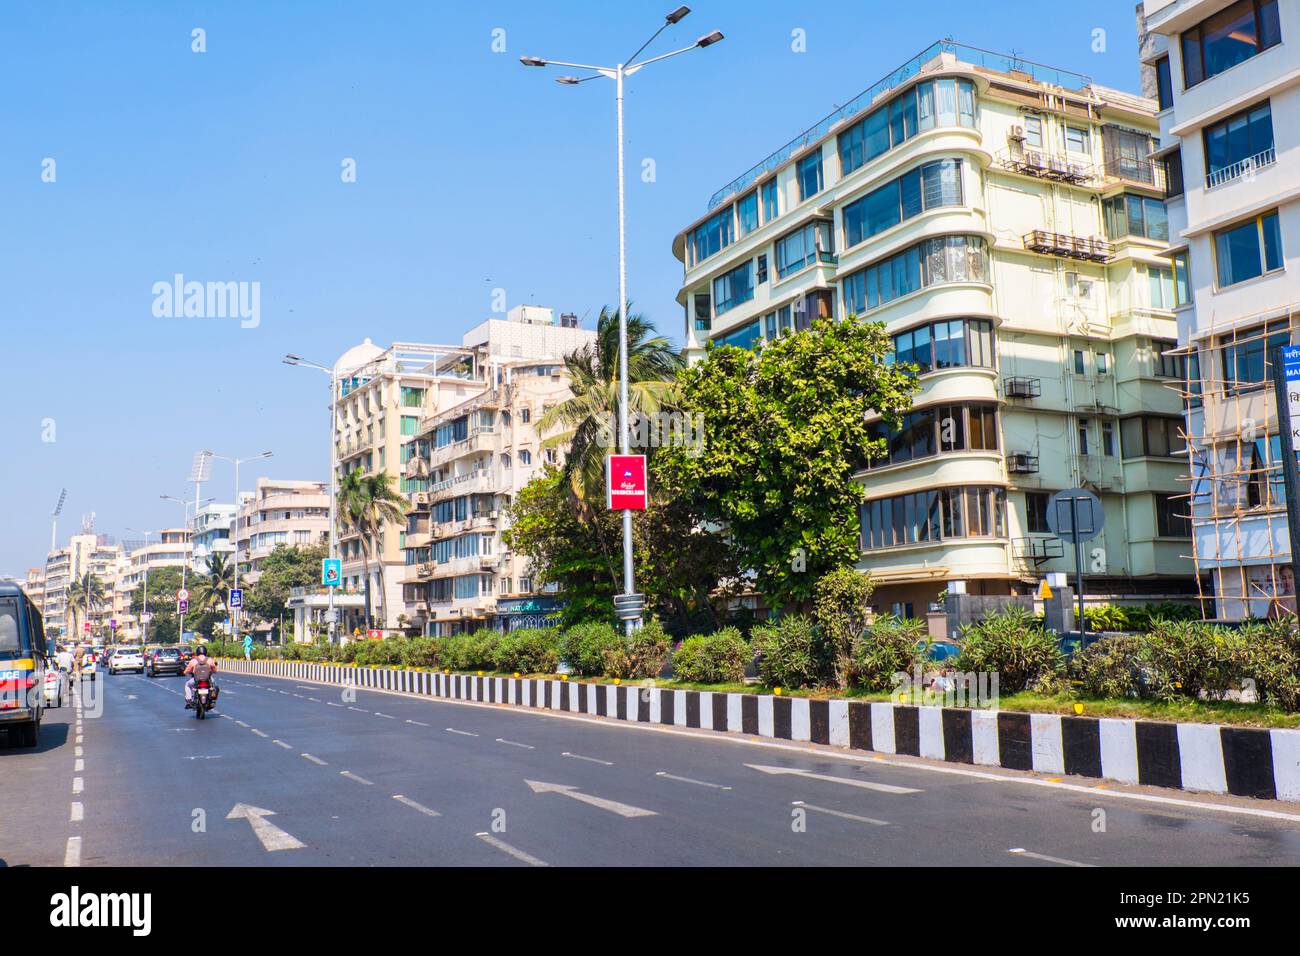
[{"x": 294, "y": 773}]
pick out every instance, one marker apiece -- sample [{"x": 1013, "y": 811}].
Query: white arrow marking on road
[
  {"x": 841, "y": 813},
  {"x": 622, "y": 809},
  {"x": 809, "y": 775},
  {"x": 272, "y": 837},
  {"x": 607, "y": 763},
  {"x": 703, "y": 783}
]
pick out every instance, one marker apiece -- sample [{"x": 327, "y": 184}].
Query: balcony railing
[
  {"x": 1136, "y": 172},
  {"x": 1032, "y": 161},
  {"x": 1021, "y": 463},
  {"x": 1022, "y": 387},
  {"x": 1242, "y": 169},
  {"x": 1068, "y": 247}
]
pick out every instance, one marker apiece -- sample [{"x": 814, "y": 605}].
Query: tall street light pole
[
  {"x": 234, "y": 618},
  {"x": 180, "y": 633},
  {"x": 334, "y": 397},
  {"x": 144, "y": 601},
  {"x": 618, "y": 73}
]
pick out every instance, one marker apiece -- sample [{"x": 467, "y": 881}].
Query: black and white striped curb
[{"x": 1243, "y": 761}]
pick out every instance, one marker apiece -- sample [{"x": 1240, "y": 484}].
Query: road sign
[
  {"x": 86, "y": 626},
  {"x": 374, "y": 634},
  {"x": 1291, "y": 372},
  {"x": 1286, "y": 378},
  {"x": 182, "y": 594},
  {"x": 625, "y": 486},
  {"x": 236, "y": 597},
  {"x": 331, "y": 572},
  {"x": 1075, "y": 515},
  {"x": 182, "y": 606},
  {"x": 113, "y": 623},
  {"x": 331, "y": 615}
]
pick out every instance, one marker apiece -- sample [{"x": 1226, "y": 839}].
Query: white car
[
  {"x": 56, "y": 686},
  {"x": 125, "y": 659}
]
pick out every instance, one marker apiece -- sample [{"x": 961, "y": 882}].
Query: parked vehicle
[{"x": 22, "y": 666}]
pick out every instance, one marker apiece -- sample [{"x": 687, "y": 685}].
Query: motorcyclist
[{"x": 200, "y": 667}]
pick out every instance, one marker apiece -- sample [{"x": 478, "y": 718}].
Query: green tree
[
  {"x": 588, "y": 421},
  {"x": 211, "y": 591},
  {"x": 785, "y": 428},
  {"x": 840, "y": 608},
  {"x": 284, "y": 569},
  {"x": 366, "y": 503},
  {"x": 86, "y": 594},
  {"x": 163, "y": 583}
]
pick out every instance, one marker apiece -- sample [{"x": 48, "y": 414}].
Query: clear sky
[{"x": 473, "y": 173}]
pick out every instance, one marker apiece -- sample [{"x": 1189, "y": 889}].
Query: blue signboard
[
  {"x": 331, "y": 572},
  {"x": 236, "y": 597}
]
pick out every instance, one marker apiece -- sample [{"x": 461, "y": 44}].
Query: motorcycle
[{"x": 205, "y": 698}]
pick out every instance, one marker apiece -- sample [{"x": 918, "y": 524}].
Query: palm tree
[
  {"x": 86, "y": 595},
  {"x": 588, "y": 421},
  {"x": 211, "y": 591},
  {"x": 366, "y": 503}
]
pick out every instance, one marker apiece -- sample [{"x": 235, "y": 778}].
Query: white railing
[{"x": 1242, "y": 168}]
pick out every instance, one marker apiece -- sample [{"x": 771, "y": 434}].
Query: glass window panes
[
  {"x": 809, "y": 174},
  {"x": 1228, "y": 37},
  {"x": 747, "y": 213},
  {"x": 733, "y": 288},
  {"x": 1248, "y": 250},
  {"x": 1240, "y": 137}
]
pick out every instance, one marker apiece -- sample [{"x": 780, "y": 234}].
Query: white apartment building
[
  {"x": 1005, "y": 221},
  {"x": 385, "y": 396},
  {"x": 84, "y": 553},
  {"x": 1227, "y": 77},
  {"x": 280, "y": 512},
  {"x": 211, "y": 534}
]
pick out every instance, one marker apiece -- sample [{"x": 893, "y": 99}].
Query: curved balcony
[
  {"x": 964, "y": 384},
  {"x": 949, "y": 468}
]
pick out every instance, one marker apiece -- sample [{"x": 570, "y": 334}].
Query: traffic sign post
[
  {"x": 1076, "y": 515},
  {"x": 236, "y": 597},
  {"x": 1286, "y": 388},
  {"x": 625, "y": 488},
  {"x": 331, "y": 572}
]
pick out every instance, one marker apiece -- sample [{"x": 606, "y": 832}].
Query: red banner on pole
[{"x": 626, "y": 487}]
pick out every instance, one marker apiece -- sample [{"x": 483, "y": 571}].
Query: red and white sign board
[
  {"x": 625, "y": 488},
  {"x": 375, "y": 634}
]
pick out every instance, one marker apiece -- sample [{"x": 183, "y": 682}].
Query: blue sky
[{"x": 473, "y": 173}]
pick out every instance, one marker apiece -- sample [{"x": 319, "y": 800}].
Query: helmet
[{"x": 202, "y": 649}]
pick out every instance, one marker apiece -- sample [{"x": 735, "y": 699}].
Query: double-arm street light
[
  {"x": 334, "y": 395},
  {"x": 617, "y": 74},
  {"x": 185, "y": 564},
  {"x": 234, "y": 529}
]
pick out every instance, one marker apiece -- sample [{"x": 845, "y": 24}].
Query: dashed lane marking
[
  {"x": 352, "y": 776},
  {"x": 840, "y": 813},
  {"x": 72, "y": 855},
  {"x": 315, "y": 760},
  {"x": 513, "y": 851},
  {"x": 407, "y": 801}
]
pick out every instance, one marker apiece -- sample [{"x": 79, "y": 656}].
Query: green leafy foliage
[
  {"x": 1014, "y": 646},
  {"x": 583, "y": 646},
  {"x": 1110, "y": 667},
  {"x": 840, "y": 609},
  {"x": 889, "y": 646},
  {"x": 641, "y": 654},
  {"x": 469, "y": 652},
  {"x": 718, "y": 658},
  {"x": 284, "y": 569},
  {"x": 528, "y": 651},
  {"x": 793, "y": 653},
  {"x": 785, "y": 428}
]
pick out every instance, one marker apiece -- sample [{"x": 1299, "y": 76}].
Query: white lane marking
[
  {"x": 281, "y": 743},
  {"x": 77, "y": 752},
  {"x": 72, "y": 855},
  {"x": 78, "y": 813},
  {"x": 79, "y": 738},
  {"x": 1099, "y": 790},
  {"x": 385, "y": 716},
  {"x": 809, "y": 775},
  {"x": 507, "y": 848},
  {"x": 1021, "y": 851},
  {"x": 299, "y": 696},
  {"x": 352, "y": 776},
  {"x": 613, "y": 806},
  {"x": 407, "y": 801},
  {"x": 315, "y": 760},
  {"x": 78, "y": 785},
  {"x": 607, "y": 763},
  {"x": 511, "y": 743},
  {"x": 332, "y": 704},
  {"x": 79, "y": 766},
  {"x": 699, "y": 783},
  {"x": 271, "y": 836},
  {"x": 463, "y": 733},
  {"x": 256, "y": 731},
  {"x": 241, "y": 723},
  {"x": 304, "y": 686},
  {"x": 358, "y": 709},
  {"x": 418, "y": 723},
  {"x": 314, "y": 700},
  {"x": 840, "y": 813}
]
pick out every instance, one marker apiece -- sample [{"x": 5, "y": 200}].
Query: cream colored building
[
  {"x": 385, "y": 398},
  {"x": 84, "y": 553},
  {"x": 1005, "y": 221},
  {"x": 280, "y": 512}
]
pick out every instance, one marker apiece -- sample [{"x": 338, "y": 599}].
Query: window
[
  {"x": 412, "y": 397},
  {"x": 733, "y": 288},
  {"x": 1144, "y": 436},
  {"x": 809, "y": 173},
  {"x": 1108, "y": 439},
  {"x": 747, "y": 213},
  {"x": 1034, "y": 130},
  {"x": 1083, "y": 436},
  {"x": 803, "y": 247},
  {"x": 1235, "y": 145},
  {"x": 932, "y": 516},
  {"x": 1079, "y": 367},
  {"x": 926, "y": 187},
  {"x": 410, "y": 424},
  {"x": 745, "y": 337},
  {"x": 1077, "y": 139},
  {"x": 525, "y": 456},
  {"x": 939, "y": 429},
  {"x": 711, "y": 236},
  {"x": 1160, "y": 286},
  {"x": 1102, "y": 361},
  {"x": 525, "y": 585},
  {"x": 525, "y": 415},
  {"x": 1245, "y": 360},
  {"x": 1248, "y": 250},
  {"x": 1229, "y": 37},
  {"x": 1167, "y": 363},
  {"x": 931, "y": 262},
  {"x": 1182, "y": 280},
  {"x": 1164, "y": 84},
  {"x": 1170, "y": 520},
  {"x": 1173, "y": 165},
  {"x": 703, "y": 312},
  {"x": 1036, "y": 512},
  {"x": 771, "y": 200},
  {"x": 1132, "y": 215},
  {"x": 762, "y": 268}
]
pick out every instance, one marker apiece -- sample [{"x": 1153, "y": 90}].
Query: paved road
[{"x": 385, "y": 779}]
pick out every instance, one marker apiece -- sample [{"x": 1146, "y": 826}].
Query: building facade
[
  {"x": 280, "y": 512},
  {"x": 1006, "y": 222},
  {"x": 1228, "y": 88},
  {"x": 85, "y": 553},
  {"x": 212, "y": 534}
]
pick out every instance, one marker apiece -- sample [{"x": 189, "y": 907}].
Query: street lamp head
[
  {"x": 709, "y": 40},
  {"x": 532, "y": 61},
  {"x": 291, "y": 359},
  {"x": 568, "y": 80},
  {"x": 678, "y": 15}
]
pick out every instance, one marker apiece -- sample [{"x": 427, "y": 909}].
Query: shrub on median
[
  {"x": 890, "y": 645},
  {"x": 583, "y": 646},
  {"x": 1014, "y": 646},
  {"x": 469, "y": 652},
  {"x": 793, "y": 653},
  {"x": 718, "y": 658},
  {"x": 639, "y": 655},
  {"x": 528, "y": 651}
]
